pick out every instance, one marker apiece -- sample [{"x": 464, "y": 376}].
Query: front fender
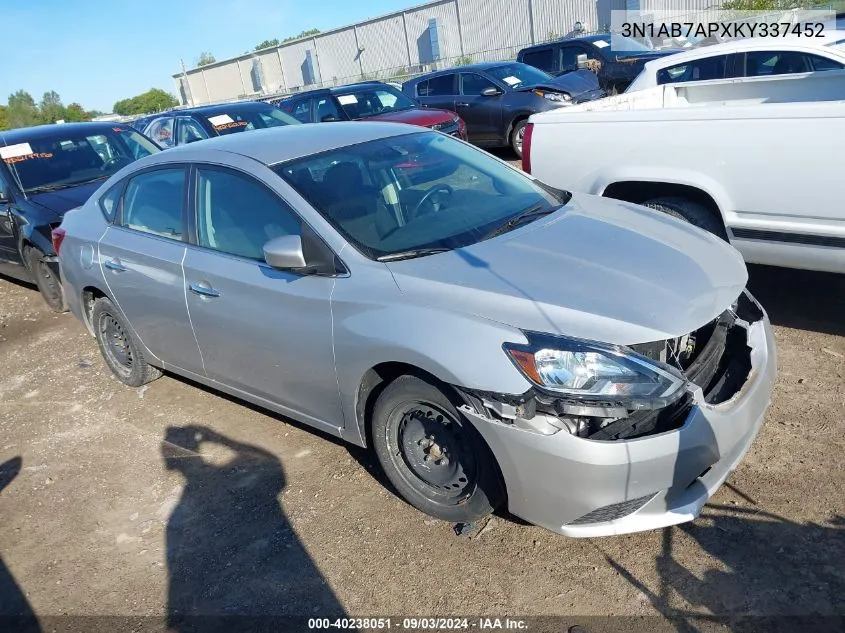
[{"x": 458, "y": 349}]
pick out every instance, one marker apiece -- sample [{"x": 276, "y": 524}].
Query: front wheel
[
  {"x": 46, "y": 275},
  {"x": 434, "y": 458},
  {"x": 518, "y": 136}
]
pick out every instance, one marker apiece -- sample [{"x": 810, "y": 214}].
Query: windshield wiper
[
  {"x": 56, "y": 187},
  {"x": 410, "y": 254},
  {"x": 65, "y": 185},
  {"x": 528, "y": 215}
]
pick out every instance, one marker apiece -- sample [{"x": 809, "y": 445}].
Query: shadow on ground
[
  {"x": 15, "y": 610},
  {"x": 800, "y": 299},
  {"x": 767, "y": 572},
  {"x": 231, "y": 551}
]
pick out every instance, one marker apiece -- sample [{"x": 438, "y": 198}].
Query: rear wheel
[
  {"x": 518, "y": 136},
  {"x": 435, "y": 458},
  {"x": 46, "y": 275},
  {"x": 119, "y": 347},
  {"x": 693, "y": 212}
]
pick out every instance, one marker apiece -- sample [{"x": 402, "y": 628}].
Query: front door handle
[
  {"x": 115, "y": 265},
  {"x": 204, "y": 290},
  {"x": 462, "y": 105}
]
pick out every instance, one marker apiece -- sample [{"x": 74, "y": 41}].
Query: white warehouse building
[{"x": 437, "y": 34}]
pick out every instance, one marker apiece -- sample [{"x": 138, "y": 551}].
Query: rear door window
[
  {"x": 189, "y": 131},
  {"x": 153, "y": 203},
  {"x": 301, "y": 110},
  {"x": 437, "y": 86},
  {"x": 543, "y": 58},
  {"x": 763, "y": 63},
  {"x": 327, "y": 109}
]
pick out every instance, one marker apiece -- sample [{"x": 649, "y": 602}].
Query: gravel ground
[{"x": 172, "y": 498}]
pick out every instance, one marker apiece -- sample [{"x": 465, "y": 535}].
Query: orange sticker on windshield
[
  {"x": 20, "y": 159},
  {"x": 226, "y": 126}
]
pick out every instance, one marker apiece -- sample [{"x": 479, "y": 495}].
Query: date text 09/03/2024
[{"x": 412, "y": 624}]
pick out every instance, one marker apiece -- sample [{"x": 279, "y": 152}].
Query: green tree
[
  {"x": 22, "y": 111},
  {"x": 267, "y": 44},
  {"x": 51, "y": 108},
  {"x": 764, "y": 5},
  {"x": 4, "y": 121},
  {"x": 307, "y": 33},
  {"x": 205, "y": 59},
  {"x": 154, "y": 100},
  {"x": 75, "y": 112}
]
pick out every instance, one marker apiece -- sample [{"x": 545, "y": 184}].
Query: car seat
[{"x": 355, "y": 206}]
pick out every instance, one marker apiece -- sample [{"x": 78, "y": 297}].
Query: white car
[{"x": 752, "y": 57}]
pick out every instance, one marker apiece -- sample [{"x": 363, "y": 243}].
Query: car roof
[
  {"x": 279, "y": 144},
  {"x": 24, "y": 134},
  {"x": 752, "y": 44},
  {"x": 221, "y": 107},
  {"x": 481, "y": 66},
  {"x": 360, "y": 84}
]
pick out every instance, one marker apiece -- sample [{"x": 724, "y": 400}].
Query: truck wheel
[
  {"x": 433, "y": 457},
  {"x": 46, "y": 275},
  {"x": 693, "y": 212},
  {"x": 119, "y": 347},
  {"x": 517, "y": 136}
]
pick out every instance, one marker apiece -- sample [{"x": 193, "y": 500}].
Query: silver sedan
[{"x": 594, "y": 365}]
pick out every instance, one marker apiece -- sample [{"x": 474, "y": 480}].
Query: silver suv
[{"x": 595, "y": 365}]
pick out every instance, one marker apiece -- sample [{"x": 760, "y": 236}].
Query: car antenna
[{"x": 14, "y": 169}]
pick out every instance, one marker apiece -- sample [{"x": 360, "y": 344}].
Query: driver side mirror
[
  {"x": 581, "y": 61},
  {"x": 491, "y": 92},
  {"x": 285, "y": 253}
]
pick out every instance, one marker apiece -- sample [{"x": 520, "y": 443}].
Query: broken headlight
[{"x": 587, "y": 370}]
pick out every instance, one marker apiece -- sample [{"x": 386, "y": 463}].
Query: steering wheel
[
  {"x": 115, "y": 160},
  {"x": 427, "y": 197}
]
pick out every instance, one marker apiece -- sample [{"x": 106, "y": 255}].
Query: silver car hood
[{"x": 597, "y": 269}]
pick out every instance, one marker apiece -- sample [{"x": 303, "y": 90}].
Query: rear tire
[
  {"x": 46, "y": 275},
  {"x": 693, "y": 212},
  {"x": 119, "y": 347},
  {"x": 517, "y": 135},
  {"x": 434, "y": 457}
]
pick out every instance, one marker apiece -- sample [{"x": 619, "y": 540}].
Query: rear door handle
[
  {"x": 203, "y": 289},
  {"x": 462, "y": 105},
  {"x": 115, "y": 265}
]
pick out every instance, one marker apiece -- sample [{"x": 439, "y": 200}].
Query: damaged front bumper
[{"x": 583, "y": 487}]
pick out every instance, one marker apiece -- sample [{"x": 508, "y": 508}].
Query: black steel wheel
[
  {"x": 118, "y": 346},
  {"x": 46, "y": 275},
  {"x": 434, "y": 458}
]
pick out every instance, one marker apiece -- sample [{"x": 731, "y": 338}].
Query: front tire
[
  {"x": 119, "y": 347},
  {"x": 517, "y": 136},
  {"x": 46, "y": 275},
  {"x": 434, "y": 457}
]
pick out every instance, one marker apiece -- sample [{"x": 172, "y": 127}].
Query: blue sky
[{"x": 95, "y": 51}]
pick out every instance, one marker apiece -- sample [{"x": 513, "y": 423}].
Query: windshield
[
  {"x": 417, "y": 191},
  {"x": 517, "y": 74},
  {"x": 65, "y": 160},
  {"x": 245, "y": 119},
  {"x": 619, "y": 44},
  {"x": 372, "y": 101}
]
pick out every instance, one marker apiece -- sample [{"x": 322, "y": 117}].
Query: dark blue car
[
  {"x": 495, "y": 99},
  {"x": 45, "y": 171}
]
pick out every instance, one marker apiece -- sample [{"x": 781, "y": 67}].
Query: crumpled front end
[{"x": 585, "y": 475}]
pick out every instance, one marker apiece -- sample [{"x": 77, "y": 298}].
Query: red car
[{"x": 370, "y": 101}]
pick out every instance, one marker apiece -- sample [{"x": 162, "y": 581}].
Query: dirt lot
[{"x": 100, "y": 515}]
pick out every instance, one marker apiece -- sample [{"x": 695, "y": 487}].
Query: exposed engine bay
[{"x": 715, "y": 358}]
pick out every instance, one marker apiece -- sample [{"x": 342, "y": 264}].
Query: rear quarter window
[{"x": 109, "y": 202}]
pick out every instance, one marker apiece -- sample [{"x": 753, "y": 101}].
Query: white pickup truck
[{"x": 754, "y": 160}]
